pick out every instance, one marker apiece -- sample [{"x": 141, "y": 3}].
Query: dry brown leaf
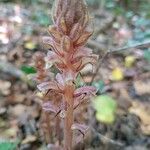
[
  {"x": 142, "y": 87},
  {"x": 146, "y": 129},
  {"x": 142, "y": 110},
  {"x": 5, "y": 87},
  {"x": 29, "y": 139},
  {"x": 9, "y": 133},
  {"x": 18, "y": 110}
]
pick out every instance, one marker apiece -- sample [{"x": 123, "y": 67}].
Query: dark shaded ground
[{"x": 128, "y": 82}]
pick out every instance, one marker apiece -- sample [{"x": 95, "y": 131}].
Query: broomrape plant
[{"x": 68, "y": 36}]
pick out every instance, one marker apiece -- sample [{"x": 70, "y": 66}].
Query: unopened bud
[
  {"x": 66, "y": 43},
  {"x": 62, "y": 24},
  {"x": 83, "y": 38},
  {"x": 75, "y": 32},
  {"x": 54, "y": 33}
]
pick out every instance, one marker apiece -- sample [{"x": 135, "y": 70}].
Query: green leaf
[
  {"x": 7, "y": 145},
  {"x": 105, "y": 107},
  {"x": 41, "y": 18},
  {"x": 147, "y": 55},
  {"x": 79, "y": 82},
  {"x": 99, "y": 85},
  {"x": 28, "y": 69},
  {"x": 93, "y": 2},
  {"x": 27, "y": 30}
]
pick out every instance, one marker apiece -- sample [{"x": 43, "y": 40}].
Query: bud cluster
[{"x": 68, "y": 36}]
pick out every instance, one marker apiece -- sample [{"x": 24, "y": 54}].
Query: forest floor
[{"x": 123, "y": 73}]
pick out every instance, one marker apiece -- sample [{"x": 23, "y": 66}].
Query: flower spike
[{"x": 67, "y": 52}]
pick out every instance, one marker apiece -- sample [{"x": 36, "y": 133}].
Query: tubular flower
[{"x": 58, "y": 86}]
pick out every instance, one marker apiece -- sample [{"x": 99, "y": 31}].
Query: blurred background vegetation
[{"x": 120, "y": 112}]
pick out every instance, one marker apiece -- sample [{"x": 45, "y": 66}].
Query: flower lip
[
  {"x": 49, "y": 107},
  {"x": 80, "y": 127},
  {"x": 88, "y": 90},
  {"x": 50, "y": 85}
]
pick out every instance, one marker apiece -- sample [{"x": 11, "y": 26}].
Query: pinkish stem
[{"x": 69, "y": 118}]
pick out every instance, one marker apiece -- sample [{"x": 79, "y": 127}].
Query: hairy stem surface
[
  {"x": 69, "y": 118},
  {"x": 58, "y": 130}
]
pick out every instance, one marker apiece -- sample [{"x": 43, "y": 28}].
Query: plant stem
[
  {"x": 49, "y": 130},
  {"x": 68, "y": 132},
  {"x": 58, "y": 130},
  {"x": 69, "y": 118}
]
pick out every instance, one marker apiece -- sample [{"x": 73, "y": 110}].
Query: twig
[
  {"x": 103, "y": 47},
  {"x": 97, "y": 45},
  {"x": 93, "y": 43},
  {"x": 106, "y": 139},
  {"x": 140, "y": 45},
  {"x": 100, "y": 61}
]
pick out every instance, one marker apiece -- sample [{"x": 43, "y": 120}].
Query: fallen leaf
[
  {"x": 5, "y": 87},
  {"x": 117, "y": 74},
  {"x": 142, "y": 110},
  {"x": 146, "y": 129},
  {"x": 17, "y": 110},
  {"x": 30, "y": 45},
  {"x": 105, "y": 107},
  {"x": 29, "y": 139},
  {"x": 129, "y": 61},
  {"x": 142, "y": 87},
  {"x": 18, "y": 97},
  {"x": 2, "y": 123},
  {"x": 12, "y": 132}
]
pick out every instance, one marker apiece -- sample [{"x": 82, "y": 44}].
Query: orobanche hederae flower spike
[{"x": 68, "y": 53}]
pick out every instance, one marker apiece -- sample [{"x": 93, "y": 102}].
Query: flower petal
[
  {"x": 81, "y": 127},
  {"x": 78, "y": 100},
  {"x": 88, "y": 60},
  {"x": 54, "y": 33},
  {"x": 49, "y": 107},
  {"x": 69, "y": 75},
  {"x": 48, "y": 40},
  {"x": 51, "y": 56},
  {"x": 53, "y": 45},
  {"x": 83, "y": 39},
  {"x": 83, "y": 52},
  {"x": 60, "y": 80},
  {"x": 43, "y": 87},
  {"x": 88, "y": 90}
]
